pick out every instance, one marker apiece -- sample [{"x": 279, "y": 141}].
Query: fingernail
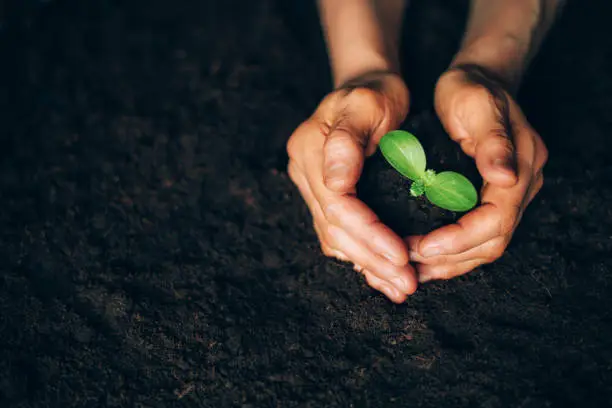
[
  {"x": 401, "y": 283},
  {"x": 430, "y": 251}
]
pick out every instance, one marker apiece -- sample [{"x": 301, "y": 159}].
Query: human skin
[{"x": 474, "y": 101}]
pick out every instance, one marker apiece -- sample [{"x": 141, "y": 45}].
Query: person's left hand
[{"x": 480, "y": 114}]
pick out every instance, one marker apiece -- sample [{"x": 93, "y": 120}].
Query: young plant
[{"x": 447, "y": 189}]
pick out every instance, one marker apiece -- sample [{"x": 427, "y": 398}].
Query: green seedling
[{"x": 447, "y": 189}]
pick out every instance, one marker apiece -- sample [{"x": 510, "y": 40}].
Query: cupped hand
[
  {"x": 326, "y": 155},
  {"x": 480, "y": 114}
]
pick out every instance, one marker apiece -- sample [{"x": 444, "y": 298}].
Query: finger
[
  {"x": 358, "y": 115},
  {"x": 447, "y": 271},
  {"x": 501, "y": 151},
  {"x": 413, "y": 243},
  {"x": 318, "y": 218},
  {"x": 402, "y": 278},
  {"x": 477, "y": 227},
  {"x": 536, "y": 186},
  {"x": 382, "y": 239},
  {"x": 541, "y": 152},
  {"x": 343, "y": 158},
  {"x": 382, "y": 286},
  {"x": 495, "y": 156},
  {"x": 490, "y": 250},
  {"x": 298, "y": 178},
  {"x": 541, "y": 157},
  {"x": 358, "y": 220},
  {"x": 329, "y": 251},
  {"x": 497, "y": 217}
]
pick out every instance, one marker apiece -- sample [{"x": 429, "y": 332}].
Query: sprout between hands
[{"x": 448, "y": 189}]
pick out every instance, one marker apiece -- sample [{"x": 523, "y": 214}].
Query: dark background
[{"x": 154, "y": 253}]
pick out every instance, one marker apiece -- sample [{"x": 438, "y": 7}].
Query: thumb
[
  {"x": 365, "y": 108},
  {"x": 495, "y": 156},
  {"x": 477, "y": 112},
  {"x": 361, "y": 119},
  {"x": 343, "y": 154}
]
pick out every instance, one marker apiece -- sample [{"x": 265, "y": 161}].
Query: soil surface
[
  {"x": 155, "y": 253},
  {"x": 388, "y": 193}
]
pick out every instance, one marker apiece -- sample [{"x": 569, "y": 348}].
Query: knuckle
[
  {"x": 444, "y": 273},
  {"x": 508, "y": 221},
  {"x": 304, "y": 138},
  {"x": 291, "y": 171},
  {"x": 373, "y": 282},
  {"x": 544, "y": 154},
  {"x": 468, "y": 145},
  {"x": 327, "y": 251},
  {"x": 496, "y": 250},
  {"x": 340, "y": 256},
  {"x": 292, "y": 146},
  {"x": 540, "y": 182},
  {"x": 321, "y": 238},
  {"x": 537, "y": 183},
  {"x": 333, "y": 212},
  {"x": 506, "y": 226}
]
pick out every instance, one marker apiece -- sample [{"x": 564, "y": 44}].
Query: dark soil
[
  {"x": 155, "y": 253},
  {"x": 388, "y": 193}
]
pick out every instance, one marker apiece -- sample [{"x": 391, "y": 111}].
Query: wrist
[
  {"x": 362, "y": 64},
  {"x": 503, "y": 35},
  {"x": 361, "y": 36},
  {"x": 388, "y": 84},
  {"x": 506, "y": 56}
]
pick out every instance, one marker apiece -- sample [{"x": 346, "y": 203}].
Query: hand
[
  {"x": 480, "y": 114},
  {"x": 326, "y": 155}
]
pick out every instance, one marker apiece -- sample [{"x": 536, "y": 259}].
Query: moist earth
[
  {"x": 388, "y": 193},
  {"x": 155, "y": 253}
]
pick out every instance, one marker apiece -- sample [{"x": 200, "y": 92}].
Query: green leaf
[
  {"x": 405, "y": 153},
  {"x": 452, "y": 191}
]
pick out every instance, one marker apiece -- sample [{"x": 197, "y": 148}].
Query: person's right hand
[{"x": 326, "y": 155}]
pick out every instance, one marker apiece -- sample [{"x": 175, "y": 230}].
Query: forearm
[
  {"x": 361, "y": 35},
  {"x": 503, "y": 35}
]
